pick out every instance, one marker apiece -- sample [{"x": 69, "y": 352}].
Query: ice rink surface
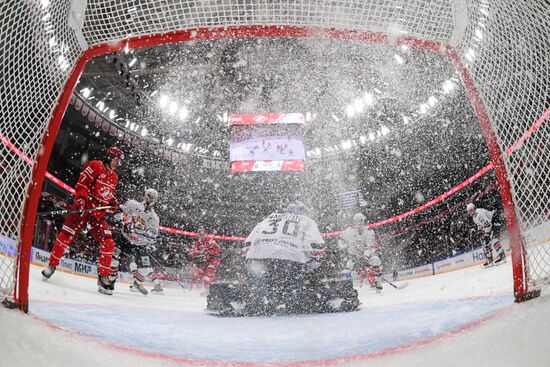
[{"x": 461, "y": 318}]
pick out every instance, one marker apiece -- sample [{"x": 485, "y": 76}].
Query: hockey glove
[
  {"x": 115, "y": 205},
  {"x": 79, "y": 204}
]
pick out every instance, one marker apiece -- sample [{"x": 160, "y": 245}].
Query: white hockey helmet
[
  {"x": 151, "y": 196},
  {"x": 470, "y": 207},
  {"x": 359, "y": 219},
  {"x": 375, "y": 261},
  {"x": 298, "y": 207}
]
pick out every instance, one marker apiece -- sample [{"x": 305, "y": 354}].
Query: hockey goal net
[{"x": 500, "y": 49}]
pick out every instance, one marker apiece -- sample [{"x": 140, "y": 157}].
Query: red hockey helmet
[{"x": 115, "y": 152}]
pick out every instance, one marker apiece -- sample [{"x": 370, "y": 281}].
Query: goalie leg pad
[{"x": 224, "y": 298}]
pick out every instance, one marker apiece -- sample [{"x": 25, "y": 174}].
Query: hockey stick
[
  {"x": 164, "y": 269},
  {"x": 67, "y": 211},
  {"x": 400, "y": 286}
]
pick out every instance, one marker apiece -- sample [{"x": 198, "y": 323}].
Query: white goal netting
[{"x": 503, "y": 44}]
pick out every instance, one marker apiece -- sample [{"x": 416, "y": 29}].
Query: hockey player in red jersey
[
  {"x": 205, "y": 254},
  {"x": 95, "y": 188}
]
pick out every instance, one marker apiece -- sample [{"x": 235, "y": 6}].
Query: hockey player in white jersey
[
  {"x": 283, "y": 275},
  {"x": 285, "y": 236},
  {"x": 279, "y": 257},
  {"x": 362, "y": 251},
  {"x": 139, "y": 226},
  {"x": 488, "y": 228}
]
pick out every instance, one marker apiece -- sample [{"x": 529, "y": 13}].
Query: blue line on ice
[{"x": 274, "y": 339}]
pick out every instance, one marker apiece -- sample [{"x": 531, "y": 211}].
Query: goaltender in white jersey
[{"x": 284, "y": 236}]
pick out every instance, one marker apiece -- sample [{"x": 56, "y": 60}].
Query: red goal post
[{"x": 500, "y": 52}]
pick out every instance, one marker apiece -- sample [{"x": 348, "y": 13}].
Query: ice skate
[
  {"x": 157, "y": 289},
  {"x": 488, "y": 264},
  {"x": 501, "y": 259},
  {"x": 136, "y": 287},
  {"x": 47, "y": 273},
  {"x": 104, "y": 285}
]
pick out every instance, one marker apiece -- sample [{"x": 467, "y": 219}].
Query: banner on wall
[
  {"x": 8, "y": 246},
  {"x": 70, "y": 265}
]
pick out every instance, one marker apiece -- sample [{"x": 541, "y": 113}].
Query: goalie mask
[{"x": 298, "y": 207}]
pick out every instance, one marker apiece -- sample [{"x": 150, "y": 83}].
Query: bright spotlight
[
  {"x": 358, "y": 105},
  {"x": 368, "y": 99},
  {"x": 479, "y": 33},
  {"x": 85, "y": 92},
  {"x": 399, "y": 59},
  {"x": 448, "y": 86},
  {"x": 172, "y": 108},
  {"x": 163, "y": 101},
  {"x": 470, "y": 55},
  {"x": 184, "y": 113},
  {"x": 350, "y": 110}
]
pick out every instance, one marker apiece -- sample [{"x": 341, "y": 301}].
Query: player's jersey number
[{"x": 289, "y": 228}]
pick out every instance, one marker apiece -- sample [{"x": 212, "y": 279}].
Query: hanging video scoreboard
[{"x": 266, "y": 142}]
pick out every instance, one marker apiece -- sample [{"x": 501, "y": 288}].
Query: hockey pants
[
  {"x": 207, "y": 275},
  {"x": 100, "y": 231}
]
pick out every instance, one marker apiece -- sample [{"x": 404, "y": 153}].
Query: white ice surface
[{"x": 129, "y": 329}]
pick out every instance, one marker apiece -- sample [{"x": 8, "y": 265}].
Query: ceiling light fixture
[
  {"x": 368, "y": 98},
  {"x": 184, "y": 113},
  {"x": 358, "y": 105},
  {"x": 350, "y": 110},
  {"x": 85, "y": 92},
  {"x": 163, "y": 101},
  {"x": 399, "y": 59},
  {"x": 172, "y": 108}
]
